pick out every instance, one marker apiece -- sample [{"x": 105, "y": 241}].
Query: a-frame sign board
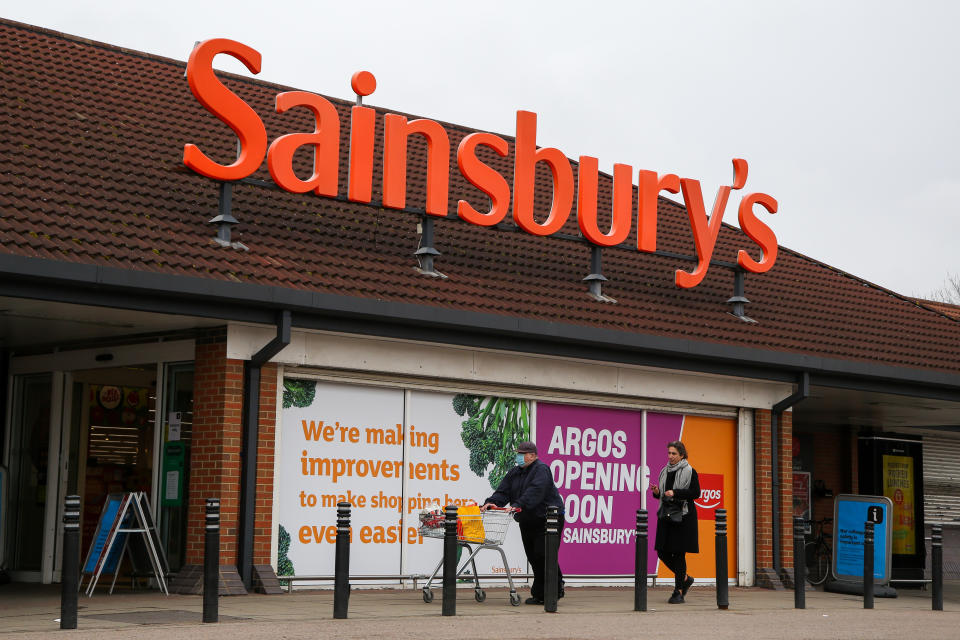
[{"x": 124, "y": 516}]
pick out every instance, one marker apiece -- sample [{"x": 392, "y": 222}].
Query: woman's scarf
[{"x": 681, "y": 481}]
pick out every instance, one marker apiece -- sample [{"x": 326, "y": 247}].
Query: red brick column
[
  {"x": 763, "y": 480},
  {"x": 263, "y": 524},
  {"x": 786, "y": 489},
  {"x": 763, "y": 485},
  {"x": 215, "y": 448}
]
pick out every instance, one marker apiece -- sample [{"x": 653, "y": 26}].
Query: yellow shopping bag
[{"x": 470, "y": 524}]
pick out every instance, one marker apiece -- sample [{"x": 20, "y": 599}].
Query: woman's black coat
[{"x": 683, "y": 536}]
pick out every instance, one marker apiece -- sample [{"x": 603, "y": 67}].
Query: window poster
[
  {"x": 391, "y": 453},
  {"x": 603, "y": 460},
  {"x": 898, "y": 486},
  {"x": 801, "y": 498}
]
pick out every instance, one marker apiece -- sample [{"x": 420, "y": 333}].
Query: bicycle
[{"x": 817, "y": 553}]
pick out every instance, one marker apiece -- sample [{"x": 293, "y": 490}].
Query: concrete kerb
[{"x": 588, "y": 612}]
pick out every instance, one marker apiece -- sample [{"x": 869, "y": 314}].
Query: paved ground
[{"x": 30, "y": 611}]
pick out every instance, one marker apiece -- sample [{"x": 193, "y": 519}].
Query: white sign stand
[{"x": 135, "y": 506}]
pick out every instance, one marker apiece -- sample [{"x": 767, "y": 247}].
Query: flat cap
[{"x": 526, "y": 447}]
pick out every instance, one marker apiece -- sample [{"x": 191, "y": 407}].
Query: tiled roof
[
  {"x": 946, "y": 308},
  {"x": 91, "y": 172}
]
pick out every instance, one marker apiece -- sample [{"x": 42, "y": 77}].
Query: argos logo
[{"x": 711, "y": 494}]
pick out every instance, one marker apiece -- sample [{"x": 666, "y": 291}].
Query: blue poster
[
  {"x": 850, "y": 516},
  {"x": 105, "y": 526}
]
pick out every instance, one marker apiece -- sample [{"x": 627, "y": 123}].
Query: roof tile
[{"x": 91, "y": 172}]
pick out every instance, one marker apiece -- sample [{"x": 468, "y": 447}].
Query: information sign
[{"x": 850, "y": 513}]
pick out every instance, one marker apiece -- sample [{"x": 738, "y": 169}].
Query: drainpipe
[
  {"x": 802, "y": 393},
  {"x": 251, "y": 431}
]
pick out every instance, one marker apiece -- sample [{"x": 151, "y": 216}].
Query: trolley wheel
[
  {"x": 515, "y": 599},
  {"x": 480, "y": 595},
  {"x": 427, "y": 595}
]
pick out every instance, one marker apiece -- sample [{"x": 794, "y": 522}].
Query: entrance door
[
  {"x": 33, "y": 475},
  {"x": 80, "y": 424},
  {"x": 175, "y": 461},
  {"x": 114, "y": 415}
]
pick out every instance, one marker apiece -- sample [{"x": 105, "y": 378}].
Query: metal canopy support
[{"x": 251, "y": 432}]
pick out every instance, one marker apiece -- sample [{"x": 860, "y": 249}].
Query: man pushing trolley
[
  {"x": 529, "y": 488},
  {"x": 486, "y": 529}
]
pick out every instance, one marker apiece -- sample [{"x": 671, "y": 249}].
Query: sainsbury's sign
[{"x": 325, "y": 139}]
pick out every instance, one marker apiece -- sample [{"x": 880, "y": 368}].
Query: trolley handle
[{"x": 510, "y": 509}]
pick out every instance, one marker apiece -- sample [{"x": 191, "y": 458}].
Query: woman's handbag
[{"x": 675, "y": 512}]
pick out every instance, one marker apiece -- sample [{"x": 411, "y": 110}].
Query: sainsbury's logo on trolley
[{"x": 711, "y": 495}]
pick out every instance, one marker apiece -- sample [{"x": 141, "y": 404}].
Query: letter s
[
  {"x": 484, "y": 178},
  {"x": 619, "y": 444},
  {"x": 228, "y": 107},
  {"x": 758, "y": 232}
]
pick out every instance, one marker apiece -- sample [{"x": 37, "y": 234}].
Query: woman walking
[{"x": 677, "y": 487}]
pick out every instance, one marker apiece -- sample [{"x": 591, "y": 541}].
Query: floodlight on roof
[
  {"x": 739, "y": 300},
  {"x": 596, "y": 278}
]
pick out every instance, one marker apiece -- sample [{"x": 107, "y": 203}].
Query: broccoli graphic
[
  {"x": 298, "y": 393},
  {"x": 284, "y": 565},
  {"x": 492, "y": 429}
]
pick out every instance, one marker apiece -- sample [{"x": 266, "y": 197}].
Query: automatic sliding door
[{"x": 29, "y": 473}]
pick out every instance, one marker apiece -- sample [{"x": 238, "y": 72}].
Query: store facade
[{"x": 284, "y": 339}]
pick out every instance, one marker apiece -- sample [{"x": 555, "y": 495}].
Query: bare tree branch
[{"x": 950, "y": 291}]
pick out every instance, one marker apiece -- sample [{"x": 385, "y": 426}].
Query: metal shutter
[{"x": 941, "y": 479}]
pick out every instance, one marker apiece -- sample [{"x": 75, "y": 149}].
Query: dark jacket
[
  {"x": 683, "y": 536},
  {"x": 531, "y": 488}
]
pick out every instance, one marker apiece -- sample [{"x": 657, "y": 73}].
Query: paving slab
[{"x": 31, "y": 611}]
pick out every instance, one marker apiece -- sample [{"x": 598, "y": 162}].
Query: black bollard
[
  {"x": 341, "y": 563},
  {"x": 551, "y": 576},
  {"x": 868, "y": 565},
  {"x": 799, "y": 565},
  {"x": 936, "y": 561},
  {"x": 640, "y": 563},
  {"x": 450, "y": 561},
  {"x": 211, "y": 562},
  {"x": 70, "y": 565},
  {"x": 723, "y": 598}
]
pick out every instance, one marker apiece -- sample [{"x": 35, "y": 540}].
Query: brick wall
[
  {"x": 764, "y": 489},
  {"x": 216, "y": 440},
  {"x": 763, "y": 486},
  {"x": 835, "y": 464},
  {"x": 263, "y": 524}
]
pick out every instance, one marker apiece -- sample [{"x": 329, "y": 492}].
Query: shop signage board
[
  {"x": 103, "y": 554},
  {"x": 324, "y": 142},
  {"x": 124, "y": 515},
  {"x": 850, "y": 513}
]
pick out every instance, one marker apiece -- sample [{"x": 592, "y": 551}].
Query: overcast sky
[{"x": 846, "y": 111}]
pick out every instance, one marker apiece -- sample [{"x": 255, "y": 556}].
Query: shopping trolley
[{"x": 496, "y": 522}]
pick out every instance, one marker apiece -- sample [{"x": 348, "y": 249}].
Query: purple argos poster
[{"x": 596, "y": 457}]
